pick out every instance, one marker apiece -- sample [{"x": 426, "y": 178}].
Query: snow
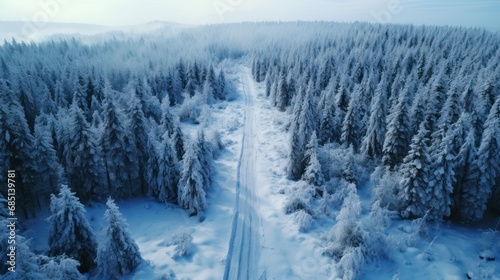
[{"x": 276, "y": 243}]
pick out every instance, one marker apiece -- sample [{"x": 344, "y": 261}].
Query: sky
[{"x": 480, "y": 13}]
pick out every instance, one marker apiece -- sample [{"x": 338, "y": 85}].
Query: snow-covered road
[{"x": 244, "y": 245}]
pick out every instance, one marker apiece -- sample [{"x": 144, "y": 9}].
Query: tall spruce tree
[
  {"x": 70, "y": 232},
  {"x": 415, "y": 194},
  {"x": 118, "y": 254}
]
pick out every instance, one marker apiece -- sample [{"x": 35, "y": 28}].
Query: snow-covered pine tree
[
  {"x": 329, "y": 125},
  {"x": 139, "y": 133},
  {"x": 70, "y": 232},
  {"x": 49, "y": 171},
  {"x": 313, "y": 173},
  {"x": 374, "y": 140},
  {"x": 116, "y": 142},
  {"x": 19, "y": 146},
  {"x": 415, "y": 172},
  {"x": 307, "y": 117},
  {"x": 80, "y": 97},
  {"x": 282, "y": 93},
  {"x": 206, "y": 160},
  {"x": 441, "y": 179},
  {"x": 397, "y": 138},
  {"x": 168, "y": 172},
  {"x": 489, "y": 157},
  {"x": 192, "y": 196},
  {"x": 297, "y": 145},
  {"x": 351, "y": 125},
  {"x": 170, "y": 128},
  {"x": 220, "y": 92},
  {"x": 472, "y": 200},
  {"x": 152, "y": 165},
  {"x": 84, "y": 166},
  {"x": 118, "y": 254}
]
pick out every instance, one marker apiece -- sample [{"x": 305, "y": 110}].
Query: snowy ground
[{"x": 277, "y": 249}]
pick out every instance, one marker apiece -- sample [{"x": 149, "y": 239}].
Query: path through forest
[{"x": 244, "y": 245}]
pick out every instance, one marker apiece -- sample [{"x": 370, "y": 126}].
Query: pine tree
[
  {"x": 221, "y": 86},
  {"x": 282, "y": 93},
  {"x": 441, "y": 180},
  {"x": 351, "y": 125},
  {"x": 116, "y": 143},
  {"x": 374, "y": 140},
  {"x": 329, "y": 125},
  {"x": 313, "y": 173},
  {"x": 168, "y": 172},
  {"x": 70, "y": 232},
  {"x": 397, "y": 138},
  {"x": 472, "y": 198},
  {"x": 19, "y": 154},
  {"x": 84, "y": 165},
  {"x": 118, "y": 254},
  {"x": 191, "y": 195},
  {"x": 206, "y": 160},
  {"x": 489, "y": 157},
  {"x": 152, "y": 165},
  {"x": 139, "y": 133},
  {"x": 415, "y": 172},
  {"x": 48, "y": 169}
]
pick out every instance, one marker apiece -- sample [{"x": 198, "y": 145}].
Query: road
[{"x": 244, "y": 245}]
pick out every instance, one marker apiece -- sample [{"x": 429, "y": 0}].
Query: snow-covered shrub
[
  {"x": 191, "y": 108},
  {"x": 295, "y": 203},
  {"x": 351, "y": 264},
  {"x": 416, "y": 231},
  {"x": 298, "y": 198},
  {"x": 62, "y": 268},
  {"x": 347, "y": 232},
  {"x": 169, "y": 275},
  {"x": 213, "y": 141},
  {"x": 183, "y": 243},
  {"x": 386, "y": 189},
  {"x": 376, "y": 245},
  {"x": 304, "y": 220}
]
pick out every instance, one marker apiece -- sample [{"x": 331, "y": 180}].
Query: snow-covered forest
[{"x": 380, "y": 139}]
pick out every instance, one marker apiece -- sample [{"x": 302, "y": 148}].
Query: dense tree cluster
[
  {"x": 407, "y": 98},
  {"x": 98, "y": 127}
]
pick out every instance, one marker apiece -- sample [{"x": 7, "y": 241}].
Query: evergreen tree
[
  {"x": 206, "y": 160},
  {"x": 139, "y": 134},
  {"x": 116, "y": 143},
  {"x": 19, "y": 152},
  {"x": 415, "y": 193},
  {"x": 489, "y": 157},
  {"x": 374, "y": 140},
  {"x": 70, "y": 232},
  {"x": 49, "y": 171},
  {"x": 472, "y": 198},
  {"x": 441, "y": 180},
  {"x": 84, "y": 166},
  {"x": 118, "y": 254},
  {"x": 168, "y": 172},
  {"x": 191, "y": 190},
  {"x": 313, "y": 173},
  {"x": 329, "y": 125},
  {"x": 282, "y": 93},
  {"x": 397, "y": 138},
  {"x": 351, "y": 125}
]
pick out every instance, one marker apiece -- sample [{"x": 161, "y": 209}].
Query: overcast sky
[{"x": 482, "y": 13}]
